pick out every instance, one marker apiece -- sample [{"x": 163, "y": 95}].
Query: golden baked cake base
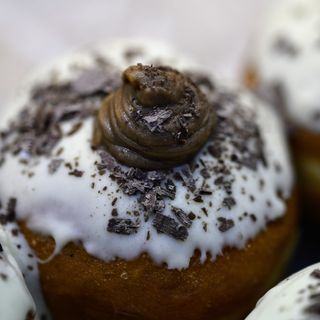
[{"x": 79, "y": 286}]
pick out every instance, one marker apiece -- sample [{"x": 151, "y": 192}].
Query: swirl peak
[{"x": 158, "y": 119}]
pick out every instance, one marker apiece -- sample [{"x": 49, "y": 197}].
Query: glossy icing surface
[{"x": 224, "y": 198}]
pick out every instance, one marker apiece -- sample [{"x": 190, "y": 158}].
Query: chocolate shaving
[
  {"x": 155, "y": 120},
  {"x": 284, "y": 46},
  {"x": 77, "y": 173},
  {"x": 3, "y": 277},
  {"x": 187, "y": 178},
  {"x": 170, "y": 227},
  {"x": 225, "y": 224},
  {"x": 123, "y": 226},
  {"x": 96, "y": 80},
  {"x": 182, "y": 217},
  {"x": 229, "y": 202},
  {"x": 75, "y": 128},
  {"x": 314, "y": 308},
  {"x": 37, "y": 129},
  {"x": 11, "y": 210},
  {"x": 54, "y": 165},
  {"x": 315, "y": 274},
  {"x": 132, "y": 53}
]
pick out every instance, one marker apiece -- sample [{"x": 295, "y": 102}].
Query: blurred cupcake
[
  {"x": 284, "y": 69},
  {"x": 148, "y": 190},
  {"x": 16, "y": 302},
  {"x": 297, "y": 297}
]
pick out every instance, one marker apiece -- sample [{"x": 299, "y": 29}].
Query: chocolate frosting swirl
[{"x": 157, "y": 119}]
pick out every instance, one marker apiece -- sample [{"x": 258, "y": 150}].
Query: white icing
[
  {"x": 290, "y": 298},
  {"x": 25, "y": 263},
  {"x": 298, "y": 21},
  {"x": 15, "y": 299},
  {"x": 67, "y": 208}
]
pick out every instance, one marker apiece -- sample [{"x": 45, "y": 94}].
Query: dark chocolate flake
[
  {"x": 122, "y": 226},
  {"x": 182, "y": 217},
  {"x": 187, "y": 178},
  {"x": 313, "y": 309},
  {"x": 15, "y": 232},
  {"x": 54, "y": 165},
  {"x": 95, "y": 80},
  {"x": 154, "y": 120},
  {"x": 76, "y": 127},
  {"x": 114, "y": 212},
  {"x": 225, "y": 224},
  {"x": 198, "y": 198},
  {"x": 285, "y": 46},
  {"x": 170, "y": 227},
  {"x": 114, "y": 201},
  {"x": 229, "y": 202},
  {"x": 77, "y": 173},
  {"x": 3, "y": 276},
  {"x": 11, "y": 209},
  {"x": 315, "y": 274}
]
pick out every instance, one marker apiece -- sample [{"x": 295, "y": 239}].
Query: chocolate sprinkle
[
  {"x": 315, "y": 274},
  {"x": 225, "y": 224},
  {"x": 122, "y": 226},
  {"x": 314, "y": 308},
  {"x": 3, "y": 276},
  {"x": 77, "y": 173},
  {"x": 170, "y": 227},
  {"x": 11, "y": 209},
  {"x": 284, "y": 46},
  {"x": 182, "y": 217},
  {"x": 229, "y": 202},
  {"x": 54, "y": 165}
]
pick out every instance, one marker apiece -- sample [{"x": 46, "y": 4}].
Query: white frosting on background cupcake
[
  {"x": 286, "y": 58},
  {"x": 296, "y": 298},
  {"x": 15, "y": 299},
  {"x": 76, "y": 202}
]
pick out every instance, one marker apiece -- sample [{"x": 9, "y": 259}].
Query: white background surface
[{"x": 216, "y": 32}]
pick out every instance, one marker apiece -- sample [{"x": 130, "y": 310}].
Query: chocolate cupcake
[
  {"x": 297, "y": 297},
  {"x": 283, "y": 69},
  {"x": 148, "y": 190}
]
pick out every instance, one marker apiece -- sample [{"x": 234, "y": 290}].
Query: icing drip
[
  {"x": 224, "y": 197},
  {"x": 297, "y": 297},
  {"x": 286, "y": 59}
]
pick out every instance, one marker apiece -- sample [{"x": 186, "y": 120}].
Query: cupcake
[
  {"x": 283, "y": 69},
  {"x": 148, "y": 190},
  {"x": 16, "y": 302},
  {"x": 297, "y": 297}
]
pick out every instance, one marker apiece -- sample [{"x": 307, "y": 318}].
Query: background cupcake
[
  {"x": 297, "y": 297},
  {"x": 283, "y": 69}
]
